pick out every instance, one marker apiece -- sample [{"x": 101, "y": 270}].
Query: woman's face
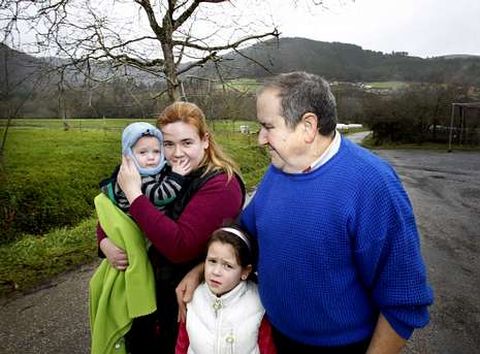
[{"x": 181, "y": 142}]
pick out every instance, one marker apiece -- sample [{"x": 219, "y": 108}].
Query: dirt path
[{"x": 445, "y": 191}]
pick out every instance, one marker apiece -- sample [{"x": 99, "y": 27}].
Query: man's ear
[{"x": 310, "y": 126}]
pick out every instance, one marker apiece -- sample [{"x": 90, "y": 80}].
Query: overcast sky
[{"x": 422, "y": 28}]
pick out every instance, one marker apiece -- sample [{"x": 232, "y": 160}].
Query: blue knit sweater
[{"x": 337, "y": 246}]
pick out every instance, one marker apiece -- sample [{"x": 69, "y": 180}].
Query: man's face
[{"x": 284, "y": 144}]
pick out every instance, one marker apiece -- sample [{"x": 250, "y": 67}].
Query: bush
[{"x": 410, "y": 115}]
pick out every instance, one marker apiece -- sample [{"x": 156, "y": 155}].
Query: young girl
[{"x": 225, "y": 314}]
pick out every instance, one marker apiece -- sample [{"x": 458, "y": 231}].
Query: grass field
[
  {"x": 48, "y": 174},
  {"x": 73, "y": 123},
  {"x": 244, "y": 85}
]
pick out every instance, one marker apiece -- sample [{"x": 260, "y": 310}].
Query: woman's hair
[
  {"x": 245, "y": 251},
  {"x": 190, "y": 113}
]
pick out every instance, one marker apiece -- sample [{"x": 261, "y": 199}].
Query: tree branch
[
  {"x": 233, "y": 45},
  {"x": 211, "y": 57},
  {"x": 252, "y": 60},
  {"x": 156, "y": 28}
]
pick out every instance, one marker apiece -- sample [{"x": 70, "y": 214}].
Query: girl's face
[
  {"x": 181, "y": 142},
  {"x": 147, "y": 151},
  {"x": 222, "y": 271}
]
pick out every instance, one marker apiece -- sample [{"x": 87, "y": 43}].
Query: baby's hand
[{"x": 182, "y": 167}]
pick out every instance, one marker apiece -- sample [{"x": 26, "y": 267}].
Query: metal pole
[
  {"x": 451, "y": 129},
  {"x": 462, "y": 126}
]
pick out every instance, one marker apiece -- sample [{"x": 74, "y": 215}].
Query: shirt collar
[{"x": 329, "y": 152}]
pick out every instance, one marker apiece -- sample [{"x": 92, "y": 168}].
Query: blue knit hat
[{"x": 130, "y": 136}]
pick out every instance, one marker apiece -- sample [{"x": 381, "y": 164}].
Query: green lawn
[
  {"x": 243, "y": 85},
  {"x": 73, "y": 123}
]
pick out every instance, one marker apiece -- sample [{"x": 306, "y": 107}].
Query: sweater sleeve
[
  {"x": 388, "y": 256},
  {"x": 164, "y": 190},
  {"x": 184, "y": 239},
  {"x": 183, "y": 342},
  {"x": 265, "y": 338}
]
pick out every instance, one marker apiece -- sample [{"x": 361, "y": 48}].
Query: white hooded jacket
[{"x": 225, "y": 325}]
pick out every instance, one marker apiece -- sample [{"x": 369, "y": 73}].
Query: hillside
[
  {"x": 346, "y": 62},
  {"x": 34, "y": 86},
  {"x": 41, "y": 73},
  {"x": 22, "y": 70},
  {"x": 335, "y": 61}
]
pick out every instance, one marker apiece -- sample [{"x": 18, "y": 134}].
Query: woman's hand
[
  {"x": 129, "y": 179},
  {"x": 182, "y": 167},
  {"x": 185, "y": 290},
  {"x": 117, "y": 257}
]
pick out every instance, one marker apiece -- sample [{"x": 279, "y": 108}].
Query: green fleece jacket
[{"x": 117, "y": 297}]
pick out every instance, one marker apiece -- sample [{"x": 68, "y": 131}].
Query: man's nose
[{"x": 262, "y": 137}]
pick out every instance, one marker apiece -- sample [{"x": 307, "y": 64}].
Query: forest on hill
[{"x": 347, "y": 62}]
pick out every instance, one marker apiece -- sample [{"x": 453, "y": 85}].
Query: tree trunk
[{"x": 170, "y": 72}]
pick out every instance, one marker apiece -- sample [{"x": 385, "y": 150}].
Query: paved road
[
  {"x": 53, "y": 319},
  {"x": 445, "y": 191}
]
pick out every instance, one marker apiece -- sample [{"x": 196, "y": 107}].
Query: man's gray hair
[{"x": 301, "y": 92}]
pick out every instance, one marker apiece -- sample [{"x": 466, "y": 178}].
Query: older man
[{"x": 340, "y": 268}]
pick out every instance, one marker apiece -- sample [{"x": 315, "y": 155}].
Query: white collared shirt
[{"x": 330, "y": 151}]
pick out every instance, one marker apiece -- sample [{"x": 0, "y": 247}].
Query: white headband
[{"x": 239, "y": 234}]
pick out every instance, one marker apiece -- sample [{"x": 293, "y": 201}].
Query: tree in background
[{"x": 162, "y": 38}]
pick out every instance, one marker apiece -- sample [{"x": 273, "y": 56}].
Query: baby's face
[{"x": 147, "y": 151}]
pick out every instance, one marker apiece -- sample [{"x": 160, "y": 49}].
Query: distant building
[
  {"x": 245, "y": 129},
  {"x": 345, "y": 127}
]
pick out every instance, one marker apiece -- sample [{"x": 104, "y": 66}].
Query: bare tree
[{"x": 166, "y": 38}]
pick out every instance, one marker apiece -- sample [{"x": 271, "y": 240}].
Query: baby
[{"x": 161, "y": 183}]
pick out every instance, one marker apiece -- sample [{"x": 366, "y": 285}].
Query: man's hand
[
  {"x": 117, "y": 257},
  {"x": 385, "y": 340},
  {"x": 186, "y": 288}
]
